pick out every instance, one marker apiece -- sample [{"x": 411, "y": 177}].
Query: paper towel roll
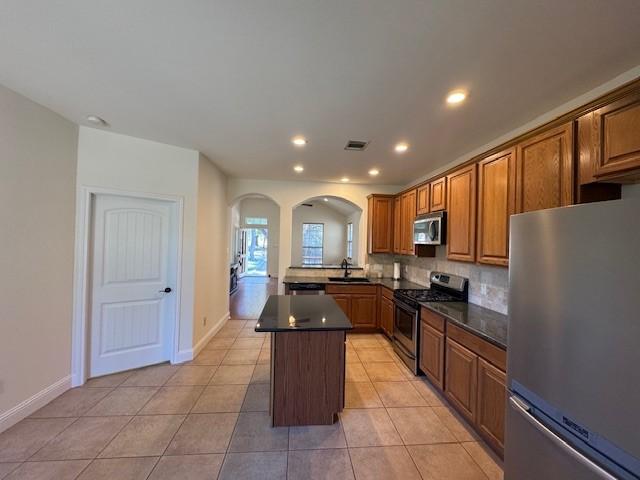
[{"x": 396, "y": 270}]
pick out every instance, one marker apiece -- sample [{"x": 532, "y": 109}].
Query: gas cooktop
[
  {"x": 427, "y": 295},
  {"x": 444, "y": 288}
]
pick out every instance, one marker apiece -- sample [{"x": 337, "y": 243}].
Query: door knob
[{"x": 166, "y": 290}]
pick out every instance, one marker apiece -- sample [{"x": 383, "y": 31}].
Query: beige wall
[
  {"x": 212, "y": 265},
  {"x": 334, "y": 247},
  {"x": 37, "y": 214},
  {"x": 120, "y": 162}
]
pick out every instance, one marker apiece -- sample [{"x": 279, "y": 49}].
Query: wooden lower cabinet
[
  {"x": 492, "y": 397},
  {"x": 344, "y": 302},
  {"x": 461, "y": 375},
  {"x": 386, "y": 315},
  {"x": 432, "y": 354},
  {"x": 359, "y": 303},
  {"x": 363, "y": 310}
]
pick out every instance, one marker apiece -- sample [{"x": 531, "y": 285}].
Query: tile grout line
[{"x": 177, "y": 429}]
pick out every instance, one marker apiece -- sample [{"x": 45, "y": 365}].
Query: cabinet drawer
[
  {"x": 350, "y": 289},
  {"x": 433, "y": 319},
  {"x": 481, "y": 347},
  {"x": 387, "y": 293}
]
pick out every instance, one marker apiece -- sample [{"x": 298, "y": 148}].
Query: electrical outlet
[{"x": 204, "y": 321}]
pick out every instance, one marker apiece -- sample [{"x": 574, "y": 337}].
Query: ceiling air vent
[{"x": 356, "y": 145}]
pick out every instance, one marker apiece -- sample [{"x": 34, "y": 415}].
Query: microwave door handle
[
  {"x": 525, "y": 411},
  {"x": 432, "y": 230}
]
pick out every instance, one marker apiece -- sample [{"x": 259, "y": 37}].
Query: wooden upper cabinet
[
  {"x": 496, "y": 203},
  {"x": 423, "y": 199},
  {"x": 492, "y": 398},
  {"x": 438, "y": 195},
  {"x": 615, "y": 139},
  {"x": 544, "y": 174},
  {"x": 461, "y": 217},
  {"x": 461, "y": 376},
  {"x": 380, "y": 224},
  {"x": 409, "y": 204},
  {"x": 397, "y": 225}
]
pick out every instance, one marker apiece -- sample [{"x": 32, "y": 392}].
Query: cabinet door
[
  {"x": 438, "y": 195},
  {"x": 380, "y": 224},
  {"x": 461, "y": 376},
  {"x": 432, "y": 354},
  {"x": 386, "y": 315},
  {"x": 423, "y": 199},
  {"x": 363, "y": 310},
  {"x": 617, "y": 126},
  {"x": 492, "y": 396},
  {"x": 461, "y": 218},
  {"x": 409, "y": 204},
  {"x": 397, "y": 225},
  {"x": 496, "y": 203},
  {"x": 344, "y": 302},
  {"x": 544, "y": 175}
]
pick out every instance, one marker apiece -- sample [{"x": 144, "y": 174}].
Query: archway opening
[{"x": 325, "y": 230}]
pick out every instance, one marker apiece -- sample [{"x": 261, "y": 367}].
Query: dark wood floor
[{"x": 247, "y": 302}]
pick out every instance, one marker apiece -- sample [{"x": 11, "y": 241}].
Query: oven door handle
[{"x": 405, "y": 307}]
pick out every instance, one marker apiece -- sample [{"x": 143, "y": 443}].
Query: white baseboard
[
  {"x": 190, "y": 353},
  {"x": 33, "y": 403}
]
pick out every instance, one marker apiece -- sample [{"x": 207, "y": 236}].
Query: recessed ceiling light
[
  {"x": 344, "y": 179},
  {"x": 456, "y": 97},
  {"x": 299, "y": 168},
  {"x": 373, "y": 172},
  {"x": 97, "y": 120},
  {"x": 299, "y": 141},
  {"x": 326, "y": 199},
  {"x": 401, "y": 147}
]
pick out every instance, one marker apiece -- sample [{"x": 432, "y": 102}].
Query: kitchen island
[{"x": 307, "y": 358}]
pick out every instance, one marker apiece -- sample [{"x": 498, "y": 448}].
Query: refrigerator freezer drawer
[{"x": 534, "y": 452}]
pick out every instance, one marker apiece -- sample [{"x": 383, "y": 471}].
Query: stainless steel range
[{"x": 444, "y": 288}]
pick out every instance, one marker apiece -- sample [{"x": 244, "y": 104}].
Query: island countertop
[{"x": 286, "y": 313}]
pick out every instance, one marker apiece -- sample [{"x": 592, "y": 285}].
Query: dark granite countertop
[
  {"x": 285, "y": 313},
  {"x": 485, "y": 323},
  {"x": 385, "y": 282}
]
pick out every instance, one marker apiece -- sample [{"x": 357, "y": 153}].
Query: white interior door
[{"x": 133, "y": 282}]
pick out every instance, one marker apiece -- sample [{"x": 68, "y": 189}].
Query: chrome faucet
[{"x": 345, "y": 264}]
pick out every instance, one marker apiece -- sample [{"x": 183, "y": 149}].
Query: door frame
[
  {"x": 265, "y": 227},
  {"x": 82, "y": 273}
]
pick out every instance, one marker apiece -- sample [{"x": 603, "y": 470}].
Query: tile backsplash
[{"x": 488, "y": 286}]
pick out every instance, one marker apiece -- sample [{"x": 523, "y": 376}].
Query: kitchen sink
[{"x": 349, "y": 279}]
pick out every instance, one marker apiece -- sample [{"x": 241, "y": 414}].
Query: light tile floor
[{"x": 208, "y": 419}]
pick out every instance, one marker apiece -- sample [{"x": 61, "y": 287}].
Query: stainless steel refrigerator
[{"x": 574, "y": 344}]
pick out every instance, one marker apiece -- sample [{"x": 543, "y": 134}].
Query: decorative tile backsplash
[{"x": 488, "y": 286}]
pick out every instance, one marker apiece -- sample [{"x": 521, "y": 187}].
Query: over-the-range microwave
[{"x": 430, "y": 229}]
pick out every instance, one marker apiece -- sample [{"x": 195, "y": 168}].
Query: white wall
[
  {"x": 212, "y": 265},
  {"x": 37, "y": 214},
  {"x": 265, "y": 208},
  {"x": 131, "y": 164},
  {"x": 289, "y": 194},
  {"x": 355, "y": 218},
  {"x": 335, "y": 233}
]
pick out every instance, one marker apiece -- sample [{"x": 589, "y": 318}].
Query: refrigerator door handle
[{"x": 524, "y": 410}]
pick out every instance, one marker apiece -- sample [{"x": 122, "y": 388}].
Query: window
[
  {"x": 312, "y": 239},
  {"x": 255, "y": 221},
  {"x": 349, "y": 240}
]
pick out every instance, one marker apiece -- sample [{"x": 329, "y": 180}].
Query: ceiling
[
  {"x": 343, "y": 207},
  {"x": 238, "y": 79}
]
